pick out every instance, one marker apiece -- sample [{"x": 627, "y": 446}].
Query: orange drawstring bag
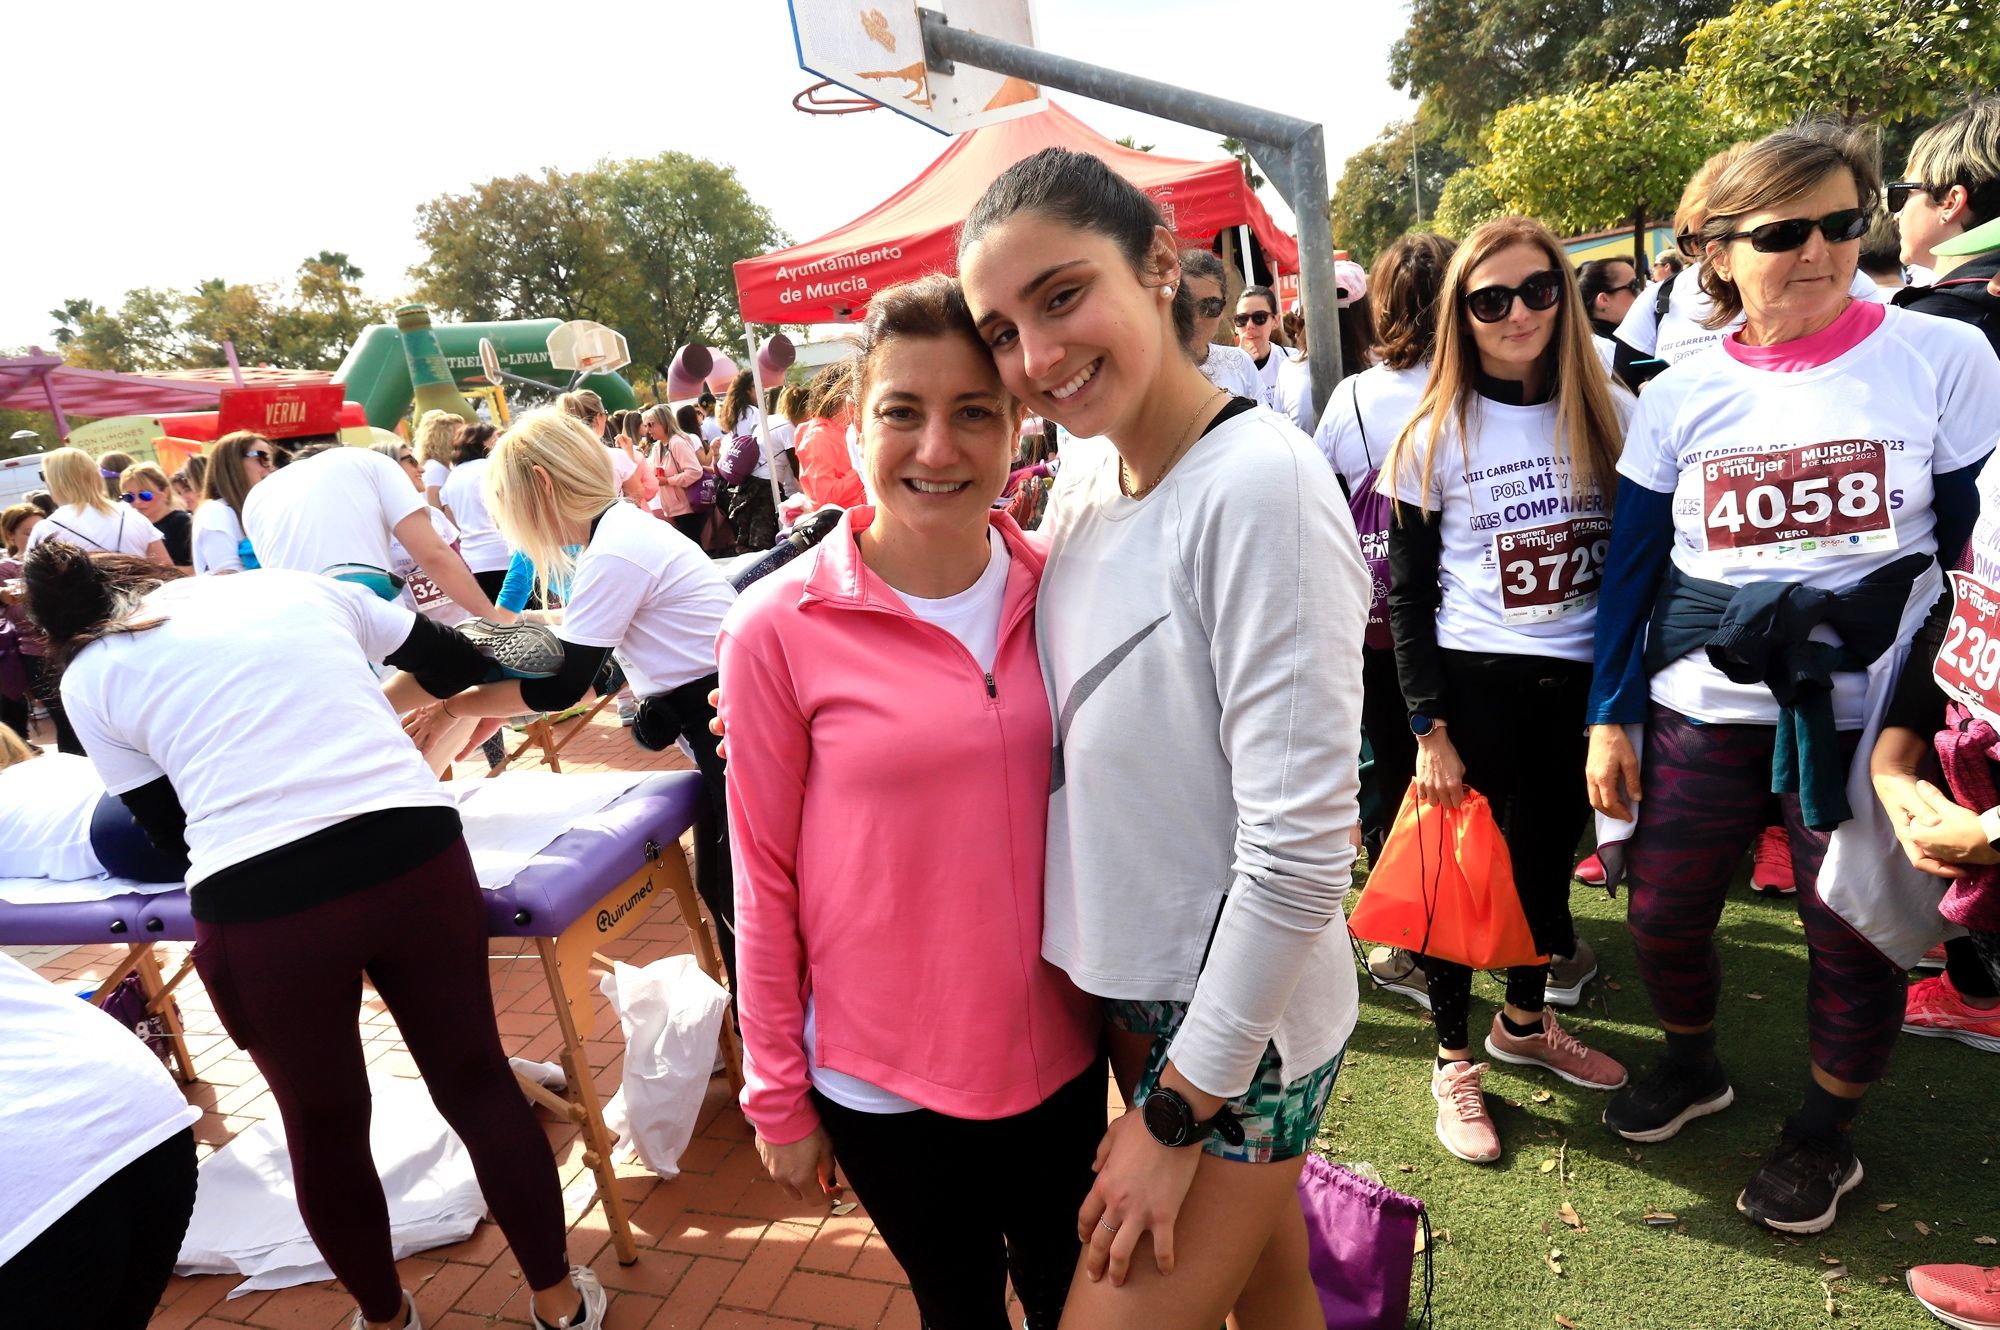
[{"x": 1445, "y": 888}]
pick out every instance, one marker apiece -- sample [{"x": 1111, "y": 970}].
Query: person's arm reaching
[{"x": 438, "y": 559}]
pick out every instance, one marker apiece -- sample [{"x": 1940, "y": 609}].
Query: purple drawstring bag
[
  {"x": 1362, "y": 1241},
  {"x": 1372, "y": 515}
]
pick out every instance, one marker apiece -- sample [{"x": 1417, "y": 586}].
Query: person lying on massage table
[
  {"x": 318, "y": 848},
  {"x": 58, "y": 821}
]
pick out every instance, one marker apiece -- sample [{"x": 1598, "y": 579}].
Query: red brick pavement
[{"x": 720, "y": 1247}]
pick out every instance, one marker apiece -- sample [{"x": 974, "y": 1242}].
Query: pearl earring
[{"x": 1167, "y": 291}]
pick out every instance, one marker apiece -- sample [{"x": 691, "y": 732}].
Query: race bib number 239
[
  {"x": 1968, "y": 664},
  {"x": 1805, "y": 502}
]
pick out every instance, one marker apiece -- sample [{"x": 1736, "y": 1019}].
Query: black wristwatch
[
  {"x": 1422, "y": 725},
  {"x": 1171, "y": 1120}
]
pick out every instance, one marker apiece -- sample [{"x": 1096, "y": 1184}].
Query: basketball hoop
[{"x": 813, "y": 103}]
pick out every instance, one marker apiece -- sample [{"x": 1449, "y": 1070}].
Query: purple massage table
[{"x": 591, "y": 886}]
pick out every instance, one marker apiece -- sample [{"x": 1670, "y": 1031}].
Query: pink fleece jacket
[{"x": 887, "y": 806}]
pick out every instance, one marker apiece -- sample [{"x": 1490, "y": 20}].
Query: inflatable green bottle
[{"x": 431, "y": 383}]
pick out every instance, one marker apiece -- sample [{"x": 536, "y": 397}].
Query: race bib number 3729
[
  {"x": 1547, "y": 572},
  {"x": 1804, "y": 502},
  {"x": 1968, "y": 663}
]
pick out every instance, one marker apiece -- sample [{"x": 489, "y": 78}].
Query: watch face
[{"x": 1167, "y": 1118}]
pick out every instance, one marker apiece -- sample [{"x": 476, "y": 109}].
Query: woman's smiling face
[{"x": 1075, "y": 333}]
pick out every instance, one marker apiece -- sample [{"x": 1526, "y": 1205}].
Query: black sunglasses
[
  {"x": 257, "y": 455},
  {"x": 1260, "y": 317},
  {"x": 1209, "y": 308},
  {"x": 137, "y": 496},
  {"x": 1635, "y": 286},
  {"x": 1898, "y": 192},
  {"x": 1783, "y": 237},
  {"x": 1490, "y": 304},
  {"x": 1689, "y": 243}
]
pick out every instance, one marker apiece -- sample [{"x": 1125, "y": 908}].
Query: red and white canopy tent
[{"x": 914, "y": 231}]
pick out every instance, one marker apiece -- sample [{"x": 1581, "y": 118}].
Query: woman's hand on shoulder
[
  {"x": 1139, "y": 1189},
  {"x": 804, "y": 1167}
]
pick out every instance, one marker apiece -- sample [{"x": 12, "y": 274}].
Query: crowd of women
[{"x": 1093, "y": 793}]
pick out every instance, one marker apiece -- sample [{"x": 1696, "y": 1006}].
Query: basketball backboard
[
  {"x": 584, "y": 347},
  {"x": 875, "y": 48}
]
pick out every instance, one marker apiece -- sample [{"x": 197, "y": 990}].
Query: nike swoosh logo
[{"x": 1088, "y": 683}]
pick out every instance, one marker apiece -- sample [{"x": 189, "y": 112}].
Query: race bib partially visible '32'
[
  {"x": 1968, "y": 663},
  {"x": 1808, "y": 501}
]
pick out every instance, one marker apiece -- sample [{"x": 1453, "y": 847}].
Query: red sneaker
[
  {"x": 1590, "y": 872},
  {"x": 1934, "y": 959},
  {"x": 1771, "y": 863},
  {"x": 1935, "y": 1008},
  {"x": 1966, "y": 1297}
]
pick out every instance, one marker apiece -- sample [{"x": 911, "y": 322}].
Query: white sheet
[
  {"x": 246, "y": 1212},
  {"x": 508, "y": 821}
]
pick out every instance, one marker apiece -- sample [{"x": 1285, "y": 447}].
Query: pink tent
[{"x": 42, "y": 382}]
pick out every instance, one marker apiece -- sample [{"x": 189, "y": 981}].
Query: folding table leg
[
  {"x": 160, "y": 1003},
  {"x": 582, "y": 1092}
]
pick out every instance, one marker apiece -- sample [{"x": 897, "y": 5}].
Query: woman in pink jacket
[
  {"x": 678, "y": 467},
  {"x": 890, "y": 743}
]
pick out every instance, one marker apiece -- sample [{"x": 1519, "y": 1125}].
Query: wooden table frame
[
  {"x": 566, "y": 961},
  {"x": 551, "y": 737}
]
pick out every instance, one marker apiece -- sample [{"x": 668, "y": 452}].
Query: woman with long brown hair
[{"x": 1502, "y": 482}]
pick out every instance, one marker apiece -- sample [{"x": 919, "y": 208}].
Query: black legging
[
  {"x": 104, "y": 1262},
  {"x": 1517, "y": 723},
  {"x": 1386, "y": 721},
  {"x": 66, "y": 740},
  {"x": 684, "y": 713}
]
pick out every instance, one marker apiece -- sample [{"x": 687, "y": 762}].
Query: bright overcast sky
[{"x": 159, "y": 145}]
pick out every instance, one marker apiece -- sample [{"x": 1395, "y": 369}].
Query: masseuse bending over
[
  {"x": 631, "y": 583},
  {"x": 304, "y": 879}
]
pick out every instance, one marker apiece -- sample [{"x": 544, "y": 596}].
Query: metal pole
[
  {"x": 763, "y": 422},
  {"x": 1243, "y": 251},
  {"x": 1297, "y": 151},
  {"x": 1416, "y": 176}
]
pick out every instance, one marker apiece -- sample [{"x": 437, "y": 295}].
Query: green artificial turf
[{"x": 1928, "y": 1138}]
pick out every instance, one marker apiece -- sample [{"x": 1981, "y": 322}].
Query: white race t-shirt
[
  {"x": 479, "y": 539},
  {"x": 1362, "y": 419},
  {"x": 1523, "y": 555},
  {"x": 125, "y": 531},
  {"x": 651, "y": 594},
  {"x": 973, "y": 617},
  {"x": 45, "y": 810},
  {"x": 84, "y": 1100},
  {"x": 1819, "y": 476},
  {"x": 217, "y": 538},
  {"x": 1231, "y": 369},
  {"x": 435, "y": 474},
  {"x": 243, "y": 675},
  {"x": 1288, "y": 387},
  {"x": 1679, "y": 333},
  {"x": 420, "y": 592},
  {"x": 334, "y": 507}
]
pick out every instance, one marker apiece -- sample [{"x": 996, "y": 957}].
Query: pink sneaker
[
  {"x": 1937, "y": 1010},
  {"x": 1771, "y": 863},
  {"x": 1558, "y": 1050},
  {"x": 1963, "y": 1296},
  {"x": 1590, "y": 872},
  {"x": 1934, "y": 959},
  {"x": 1464, "y": 1126}
]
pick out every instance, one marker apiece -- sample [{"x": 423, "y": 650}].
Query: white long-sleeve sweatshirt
[{"x": 1203, "y": 649}]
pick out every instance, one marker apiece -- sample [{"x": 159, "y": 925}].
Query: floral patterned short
[{"x": 1279, "y": 1121}]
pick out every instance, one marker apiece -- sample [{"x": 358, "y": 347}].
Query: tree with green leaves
[
  {"x": 1376, "y": 197},
  {"x": 643, "y": 246},
  {"x": 1466, "y": 200},
  {"x": 1466, "y": 59},
  {"x": 1607, "y": 153},
  {"x": 1127, "y": 141},
  {"x": 1880, "y": 61},
  {"x": 1235, "y": 148}
]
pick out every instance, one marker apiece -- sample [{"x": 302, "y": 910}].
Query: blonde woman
[
  {"x": 1502, "y": 483},
  {"x": 86, "y": 517},
  {"x": 437, "y": 439},
  {"x": 633, "y": 585},
  {"x": 145, "y": 487}
]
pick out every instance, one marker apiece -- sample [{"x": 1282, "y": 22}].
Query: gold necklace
[{"x": 1187, "y": 437}]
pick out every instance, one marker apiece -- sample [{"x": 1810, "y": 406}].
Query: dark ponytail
[
  {"x": 76, "y": 597},
  {"x": 1079, "y": 191}
]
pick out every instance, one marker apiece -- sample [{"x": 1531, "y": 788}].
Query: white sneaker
[
  {"x": 360, "y": 1322},
  {"x": 594, "y": 1302}
]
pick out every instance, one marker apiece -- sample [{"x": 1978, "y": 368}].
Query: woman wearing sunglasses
[
  {"x": 1797, "y": 484},
  {"x": 144, "y": 486},
  {"x": 86, "y": 517},
  {"x": 1222, "y": 364},
  {"x": 236, "y": 464},
  {"x": 1502, "y": 482},
  {"x": 1286, "y": 381}
]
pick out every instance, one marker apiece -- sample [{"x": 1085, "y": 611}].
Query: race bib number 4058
[
  {"x": 1549, "y": 571},
  {"x": 1804, "y": 502},
  {"x": 1968, "y": 664}
]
